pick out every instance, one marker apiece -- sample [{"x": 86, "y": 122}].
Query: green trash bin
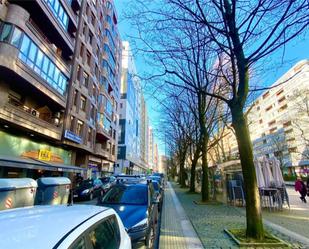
[
  {"x": 53, "y": 190},
  {"x": 17, "y": 192}
]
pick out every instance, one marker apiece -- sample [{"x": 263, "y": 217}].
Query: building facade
[
  {"x": 58, "y": 67},
  {"x": 278, "y": 122},
  {"x": 91, "y": 121}
]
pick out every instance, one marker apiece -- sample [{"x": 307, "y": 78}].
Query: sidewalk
[
  {"x": 210, "y": 220},
  {"x": 176, "y": 230}
]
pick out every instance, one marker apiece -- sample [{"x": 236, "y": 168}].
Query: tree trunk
[
  {"x": 205, "y": 180},
  {"x": 253, "y": 209},
  {"x": 193, "y": 167},
  {"x": 182, "y": 174}
]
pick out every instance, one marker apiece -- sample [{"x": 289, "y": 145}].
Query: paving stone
[{"x": 209, "y": 221}]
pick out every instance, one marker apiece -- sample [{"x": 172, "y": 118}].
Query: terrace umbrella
[
  {"x": 259, "y": 174},
  {"x": 277, "y": 174},
  {"x": 268, "y": 176}
]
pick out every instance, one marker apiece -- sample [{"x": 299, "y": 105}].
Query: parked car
[
  {"x": 159, "y": 192},
  {"x": 137, "y": 206},
  {"x": 88, "y": 189},
  {"x": 107, "y": 182},
  {"x": 62, "y": 227}
]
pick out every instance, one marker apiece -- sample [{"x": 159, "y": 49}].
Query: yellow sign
[{"x": 44, "y": 155}]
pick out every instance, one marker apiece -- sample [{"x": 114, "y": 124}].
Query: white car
[{"x": 62, "y": 227}]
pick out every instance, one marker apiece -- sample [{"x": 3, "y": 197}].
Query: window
[
  {"x": 88, "y": 58},
  {"x": 281, "y": 99},
  {"x": 83, "y": 101},
  {"x": 109, "y": 108},
  {"x": 106, "y": 124},
  {"x": 260, "y": 121},
  {"x": 265, "y": 95},
  {"x": 293, "y": 149},
  {"x": 92, "y": 19},
  {"x": 269, "y": 108},
  {"x": 78, "y": 75},
  {"x": 80, "y": 244},
  {"x": 16, "y": 38},
  {"x": 106, "y": 234},
  {"x": 72, "y": 123},
  {"x": 75, "y": 97},
  {"x": 79, "y": 130},
  {"x": 283, "y": 107},
  {"x": 59, "y": 12},
  {"x": 89, "y": 135},
  {"x": 86, "y": 79},
  {"x": 6, "y": 32},
  {"x": 41, "y": 64},
  {"x": 287, "y": 124},
  {"x": 272, "y": 123},
  {"x": 279, "y": 92},
  {"x": 90, "y": 37},
  {"x": 81, "y": 51}
]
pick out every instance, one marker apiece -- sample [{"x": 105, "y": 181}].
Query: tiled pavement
[
  {"x": 176, "y": 230},
  {"x": 210, "y": 220}
]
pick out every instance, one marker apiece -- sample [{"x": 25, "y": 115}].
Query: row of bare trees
[{"x": 207, "y": 51}]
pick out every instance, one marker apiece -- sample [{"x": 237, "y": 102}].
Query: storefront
[{"x": 22, "y": 157}]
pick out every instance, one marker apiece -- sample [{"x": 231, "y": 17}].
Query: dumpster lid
[
  {"x": 14, "y": 183},
  {"x": 54, "y": 180}
]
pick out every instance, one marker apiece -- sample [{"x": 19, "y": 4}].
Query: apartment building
[
  {"x": 59, "y": 88},
  {"x": 151, "y": 156},
  {"x": 278, "y": 127},
  {"x": 37, "y": 41},
  {"x": 144, "y": 125},
  {"x": 91, "y": 122}
]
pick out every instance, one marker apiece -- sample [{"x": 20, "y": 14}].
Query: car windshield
[
  {"x": 132, "y": 195},
  {"x": 86, "y": 184}
]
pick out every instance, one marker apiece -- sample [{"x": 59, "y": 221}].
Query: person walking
[{"x": 301, "y": 188}]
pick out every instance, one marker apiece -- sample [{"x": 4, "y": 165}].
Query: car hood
[{"x": 130, "y": 214}]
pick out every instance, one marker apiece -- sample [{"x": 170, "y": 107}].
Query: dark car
[
  {"x": 137, "y": 206},
  {"x": 88, "y": 189},
  {"x": 108, "y": 182},
  {"x": 159, "y": 193}
]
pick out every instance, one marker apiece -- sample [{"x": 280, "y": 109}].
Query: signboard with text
[
  {"x": 44, "y": 155},
  {"x": 72, "y": 136}
]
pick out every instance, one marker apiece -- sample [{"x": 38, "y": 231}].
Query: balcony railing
[{"x": 29, "y": 119}]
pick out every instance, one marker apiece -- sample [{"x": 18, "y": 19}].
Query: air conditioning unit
[{"x": 34, "y": 112}]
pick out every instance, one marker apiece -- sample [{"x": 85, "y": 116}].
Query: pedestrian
[{"x": 301, "y": 188}]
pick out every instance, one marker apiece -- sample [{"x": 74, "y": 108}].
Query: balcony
[
  {"x": 30, "y": 120},
  {"x": 99, "y": 150}
]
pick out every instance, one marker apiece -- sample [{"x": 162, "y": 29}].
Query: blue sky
[{"x": 295, "y": 51}]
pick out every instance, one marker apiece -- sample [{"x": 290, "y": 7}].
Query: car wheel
[
  {"x": 90, "y": 196},
  {"x": 150, "y": 238}
]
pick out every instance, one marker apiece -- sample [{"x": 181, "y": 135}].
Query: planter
[{"x": 271, "y": 241}]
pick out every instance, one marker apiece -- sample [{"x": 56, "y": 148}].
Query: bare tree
[{"x": 240, "y": 34}]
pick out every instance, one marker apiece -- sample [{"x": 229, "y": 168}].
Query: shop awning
[{"x": 28, "y": 163}]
